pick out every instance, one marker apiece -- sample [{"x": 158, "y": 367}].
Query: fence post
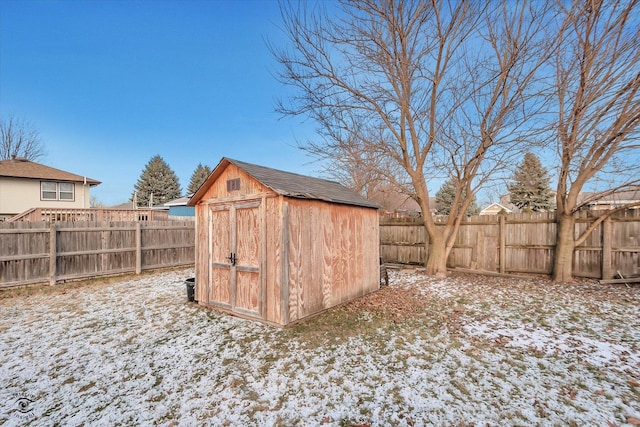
[
  {"x": 138, "y": 248},
  {"x": 53, "y": 255},
  {"x": 502, "y": 244},
  {"x": 607, "y": 271}
]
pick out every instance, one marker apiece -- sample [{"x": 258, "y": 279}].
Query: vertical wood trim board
[
  {"x": 284, "y": 263},
  {"x": 263, "y": 258}
]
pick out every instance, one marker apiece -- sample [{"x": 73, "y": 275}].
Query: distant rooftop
[{"x": 23, "y": 168}]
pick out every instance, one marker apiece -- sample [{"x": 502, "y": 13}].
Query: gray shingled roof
[
  {"x": 303, "y": 187},
  {"x": 22, "y": 168}
]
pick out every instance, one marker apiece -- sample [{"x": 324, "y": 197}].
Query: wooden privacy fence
[
  {"x": 42, "y": 252},
  {"x": 522, "y": 243}
]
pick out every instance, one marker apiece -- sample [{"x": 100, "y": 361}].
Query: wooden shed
[{"x": 278, "y": 247}]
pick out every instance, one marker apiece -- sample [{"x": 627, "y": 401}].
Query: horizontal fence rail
[
  {"x": 42, "y": 252},
  {"x": 521, "y": 243}
]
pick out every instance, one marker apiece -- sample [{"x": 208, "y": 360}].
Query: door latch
[{"x": 232, "y": 258}]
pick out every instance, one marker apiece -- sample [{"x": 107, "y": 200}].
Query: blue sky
[{"x": 110, "y": 84}]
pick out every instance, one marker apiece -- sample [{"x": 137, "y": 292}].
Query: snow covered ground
[{"x": 477, "y": 351}]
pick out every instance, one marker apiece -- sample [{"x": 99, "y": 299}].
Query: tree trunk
[
  {"x": 565, "y": 245},
  {"x": 437, "y": 256}
]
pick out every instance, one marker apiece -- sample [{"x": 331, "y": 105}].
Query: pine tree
[
  {"x": 198, "y": 177},
  {"x": 445, "y": 196},
  {"x": 159, "y": 180},
  {"x": 530, "y": 188}
]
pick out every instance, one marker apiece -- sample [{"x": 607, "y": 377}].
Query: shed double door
[{"x": 236, "y": 232}]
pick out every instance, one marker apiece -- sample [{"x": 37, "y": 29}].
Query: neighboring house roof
[
  {"x": 495, "y": 207},
  {"x": 409, "y": 204},
  {"x": 181, "y": 201},
  {"x": 505, "y": 200},
  {"x": 123, "y": 206},
  {"x": 23, "y": 168},
  {"x": 616, "y": 198},
  {"x": 289, "y": 184},
  {"x": 392, "y": 200}
]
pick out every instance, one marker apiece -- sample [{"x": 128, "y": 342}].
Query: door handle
[{"x": 232, "y": 258}]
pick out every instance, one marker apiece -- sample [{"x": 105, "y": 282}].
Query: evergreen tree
[
  {"x": 158, "y": 179},
  {"x": 198, "y": 177},
  {"x": 530, "y": 188},
  {"x": 445, "y": 196}
]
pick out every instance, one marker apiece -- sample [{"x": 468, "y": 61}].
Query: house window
[
  {"x": 57, "y": 191},
  {"x": 66, "y": 190},
  {"x": 49, "y": 190}
]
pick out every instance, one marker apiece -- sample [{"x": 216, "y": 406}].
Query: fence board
[
  {"x": 521, "y": 243},
  {"x": 40, "y": 252}
]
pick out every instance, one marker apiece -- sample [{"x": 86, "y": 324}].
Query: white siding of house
[{"x": 18, "y": 195}]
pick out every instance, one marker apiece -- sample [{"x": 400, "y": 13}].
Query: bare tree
[
  {"x": 438, "y": 88},
  {"x": 364, "y": 171},
  {"x": 597, "y": 79},
  {"x": 95, "y": 203},
  {"x": 19, "y": 139}
]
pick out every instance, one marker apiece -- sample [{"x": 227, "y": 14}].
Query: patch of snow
[{"x": 600, "y": 354}]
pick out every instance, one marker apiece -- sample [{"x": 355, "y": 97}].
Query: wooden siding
[
  {"x": 271, "y": 267},
  {"x": 248, "y": 186},
  {"x": 42, "y": 252},
  {"x": 332, "y": 255},
  {"x": 522, "y": 243}
]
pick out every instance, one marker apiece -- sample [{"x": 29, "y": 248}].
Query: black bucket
[{"x": 191, "y": 289}]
